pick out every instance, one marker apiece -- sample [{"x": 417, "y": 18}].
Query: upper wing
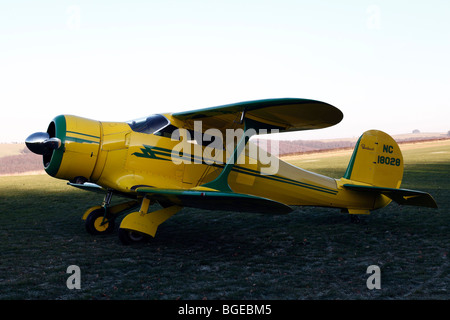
[
  {"x": 213, "y": 200},
  {"x": 288, "y": 114}
]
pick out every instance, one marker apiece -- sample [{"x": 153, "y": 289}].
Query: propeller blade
[{"x": 41, "y": 143}]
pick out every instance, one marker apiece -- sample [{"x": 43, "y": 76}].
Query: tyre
[
  {"x": 129, "y": 237},
  {"x": 96, "y": 224}
]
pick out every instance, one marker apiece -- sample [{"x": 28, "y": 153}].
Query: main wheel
[
  {"x": 97, "y": 224},
  {"x": 128, "y": 237}
]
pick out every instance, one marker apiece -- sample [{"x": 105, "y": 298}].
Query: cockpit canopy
[
  {"x": 159, "y": 125},
  {"x": 150, "y": 125}
]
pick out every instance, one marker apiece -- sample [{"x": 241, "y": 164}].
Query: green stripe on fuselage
[{"x": 154, "y": 152}]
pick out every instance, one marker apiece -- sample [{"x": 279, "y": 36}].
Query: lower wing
[
  {"x": 214, "y": 200},
  {"x": 209, "y": 200}
]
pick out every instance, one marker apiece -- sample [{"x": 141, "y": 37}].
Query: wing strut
[{"x": 221, "y": 182}]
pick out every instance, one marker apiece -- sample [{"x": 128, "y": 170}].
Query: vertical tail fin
[{"x": 376, "y": 160}]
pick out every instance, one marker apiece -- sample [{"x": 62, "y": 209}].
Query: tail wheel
[
  {"x": 129, "y": 237},
  {"x": 97, "y": 223}
]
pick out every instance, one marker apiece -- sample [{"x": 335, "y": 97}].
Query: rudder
[{"x": 376, "y": 160}]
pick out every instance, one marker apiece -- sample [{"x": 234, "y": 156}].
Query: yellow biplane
[{"x": 202, "y": 159}]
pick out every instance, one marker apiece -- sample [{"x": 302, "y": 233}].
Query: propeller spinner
[{"x": 41, "y": 143}]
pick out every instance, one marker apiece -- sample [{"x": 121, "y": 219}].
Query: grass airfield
[{"x": 312, "y": 253}]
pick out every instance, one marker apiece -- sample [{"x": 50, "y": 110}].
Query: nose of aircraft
[{"x": 41, "y": 143}]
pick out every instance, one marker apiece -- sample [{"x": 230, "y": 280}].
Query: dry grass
[{"x": 312, "y": 253}]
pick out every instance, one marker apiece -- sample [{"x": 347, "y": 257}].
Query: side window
[{"x": 167, "y": 132}]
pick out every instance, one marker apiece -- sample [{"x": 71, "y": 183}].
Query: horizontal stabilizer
[
  {"x": 401, "y": 196},
  {"x": 213, "y": 200}
]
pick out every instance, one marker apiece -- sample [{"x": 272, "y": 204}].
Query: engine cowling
[{"x": 70, "y": 147}]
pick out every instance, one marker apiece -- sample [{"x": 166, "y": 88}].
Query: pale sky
[{"x": 384, "y": 64}]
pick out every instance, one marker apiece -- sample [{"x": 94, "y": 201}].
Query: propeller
[{"x": 41, "y": 143}]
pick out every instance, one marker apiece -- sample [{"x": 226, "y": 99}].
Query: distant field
[
  {"x": 16, "y": 159},
  {"x": 328, "y": 162},
  {"x": 11, "y": 149},
  {"x": 312, "y": 253}
]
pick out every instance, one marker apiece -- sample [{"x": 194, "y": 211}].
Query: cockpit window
[{"x": 151, "y": 124}]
